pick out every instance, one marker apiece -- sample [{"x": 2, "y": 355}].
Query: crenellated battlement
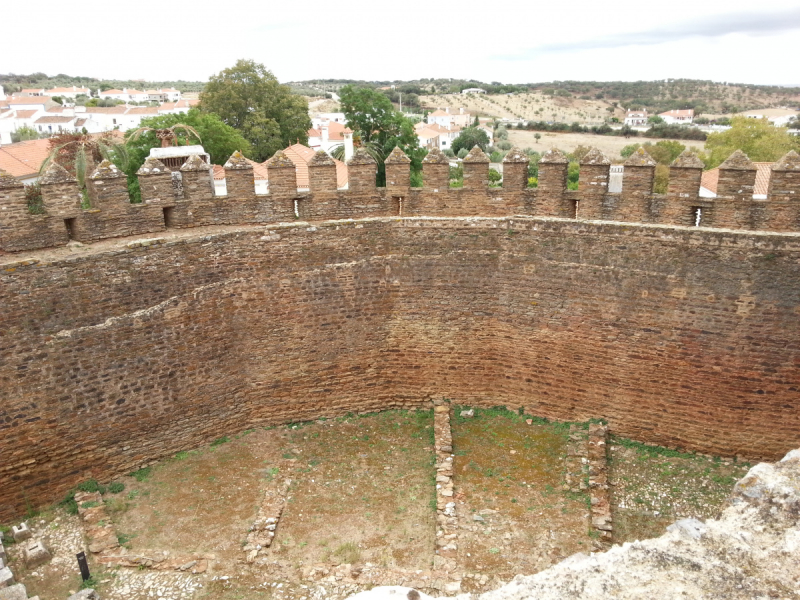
[{"x": 186, "y": 198}]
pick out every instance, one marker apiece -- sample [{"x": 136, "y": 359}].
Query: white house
[
  {"x": 635, "y": 118},
  {"x": 327, "y": 135},
  {"x": 2, "y": 93},
  {"x": 70, "y": 92},
  {"x": 125, "y": 95},
  {"x": 445, "y": 118},
  {"x": 780, "y": 117},
  {"x": 678, "y": 117},
  {"x": 165, "y": 95},
  {"x": 334, "y": 117},
  {"x": 52, "y": 124},
  {"x": 32, "y": 92},
  {"x": 473, "y": 91}
]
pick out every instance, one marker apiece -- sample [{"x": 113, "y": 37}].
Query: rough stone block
[
  {"x": 85, "y": 595},
  {"x": 36, "y": 554},
  {"x": 6, "y": 577},
  {"x": 21, "y": 533},
  {"x": 15, "y": 592}
]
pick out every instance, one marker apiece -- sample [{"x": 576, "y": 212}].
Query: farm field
[{"x": 610, "y": 145}]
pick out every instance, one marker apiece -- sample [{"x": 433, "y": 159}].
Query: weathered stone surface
[
  {"x": 738, "y": 161},
  {"x": 195, "y": 163},
  {"x": 13, "y": 592},
  {"x": 362, "y": 157},
  {"x": 237, "y": 161},
  {"x": 7, "y": 180},
  {"x": 6, "y": 578},
  {"x": 20, "y": 532},
  {"x": 640, "y": 158},
  {"x": 88, "y": 594},
  {"x": 397, "y": 156},
  {"x": 788, "y": 162},
  {"x": 35, "y": 554},
  {"x": 55, "y": 173},
  {"x": 106, "y": 170},
  {"x": 515, "y": 155},
  {"x": 595, "y": 157},
  {"x": 152, "y": 166},
  {"x": 688, "y": 160},
  {"x": 437, "y": 157},
  {"x": 279, "y": 160},
  {"x": 476, "y": 155},
  {"x": 321, "y": 158},
  {"x": 554, "y": 156}
]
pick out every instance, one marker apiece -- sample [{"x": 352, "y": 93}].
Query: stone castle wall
[
  {"x": 193, "y": 203},
  {"x": 128, "y": 351}
]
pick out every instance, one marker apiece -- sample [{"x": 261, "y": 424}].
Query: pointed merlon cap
[
  {"x": 396, "y": 157},
  {"x": 789, "y": 162},
  {"x": 738, "y": 161},
  {"x": 436, "y": 157},
  {"x": 688, "y": 160},
  {"x": 106, "y": 170},
  {"x": 237, "y": 161},
  {"x": 515, "y": 155},
  {"x": 476, "y": 155},
  {"x": 195, "y": 163},
  {"x": 279, "y": 160},
  {"x": 362, "y": 157},
  {"x": 7, "y": 180},
  {"x": 152, "y": 166},
  {"x": 55, "y": 173},
  {"x": 595, "y": 157},
  {"x": 640, "y": 158},
  {"x": 321, "y": 159},
  {"x": 554, "y": 156}
]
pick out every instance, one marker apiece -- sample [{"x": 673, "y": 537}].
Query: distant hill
[
  {"x": 13, "y": 83},
  {"x": 706, "y": 97}
]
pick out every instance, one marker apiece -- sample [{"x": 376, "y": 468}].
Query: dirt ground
[
  {"x": 362, "y": 496},
  {"x": 515, "y": 517},
  {"x": 610, "y": 145},
  {"x": 653, "y": 487}
]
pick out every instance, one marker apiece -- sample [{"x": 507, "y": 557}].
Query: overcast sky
[{"x": 512, "y": 42}]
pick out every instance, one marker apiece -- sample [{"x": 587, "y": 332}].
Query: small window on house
[{"x": 169, "y": 216}]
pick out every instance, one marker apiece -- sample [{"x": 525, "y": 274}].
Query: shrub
[
  {"x": 503, "y": 145},
  {"x": 115, "y": 487},
  {"x": 33, "y": 196},
  {"x": 91, "y": 486},
  {"x": 463, "y": 152},
  {"x": 142, "y": 474}
]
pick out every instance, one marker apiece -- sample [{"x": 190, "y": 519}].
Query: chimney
[
  {"x": 348, "y": 146},
  {"x": 447, "y": 110},
  {"x": 324, "y": 130},
  {"x": 461, "y": 110}
]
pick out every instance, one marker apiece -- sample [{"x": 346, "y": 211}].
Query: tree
[
  {"x": 538, "y": 136},
  {"x": 378, "y": 128},
  {"x": 469, "y": 138},
  {"x": 249, "y": 98},
  {"x": 476, "y": 122},
  {"x": 24, "y": 134},
  {"x": 655, "y": 120},
  {"x": 758, "y": 138}
]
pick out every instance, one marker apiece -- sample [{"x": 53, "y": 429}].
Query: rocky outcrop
[{"x": 749, "y": 552}]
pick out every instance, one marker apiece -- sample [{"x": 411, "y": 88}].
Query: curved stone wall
[{"x": 121, "y": 353}]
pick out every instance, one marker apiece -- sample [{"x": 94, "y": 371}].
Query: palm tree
[
  {"x": 168, "y": 136},
  {"x": 78, "y": 153}
]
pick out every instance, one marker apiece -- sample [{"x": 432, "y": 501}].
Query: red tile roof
[
  {"x": 336, "y": 131},
  {"x": 259, "y": 171},
  {"x": 28, "y": 100},
  {"x": 26, "y": 114},
  {"x": 62, "y": 90},
  {"x": 710, "y": 179},
  {"x": 689, "y": 112},
  {"x": 113, "y": 92},
  {"x": 143, "y": 110},
  {"x": 301, "y": 155},
  {"x": 23, "y": 159},
  {"x": 54, "y": 119},
  {"x": 107, "y": 110}
]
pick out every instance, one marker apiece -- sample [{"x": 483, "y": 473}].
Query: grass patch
[
  {"x": 347, "y": 553},
  {"x": 91, "y": 486},
  {"x": 142, "y": 474},
  {"x": 219, "y": 441}
]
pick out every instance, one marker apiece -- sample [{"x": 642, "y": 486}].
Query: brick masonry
[{"x": 126, "y": 352}]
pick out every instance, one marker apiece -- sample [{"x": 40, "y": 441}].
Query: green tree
[
  {"x": 538, "y": 136},
  {"x": 24, "y": 134},
  {"x": 250, "y": 99},
  {"x": 758, "y": 138},
  {"x": 494, "y": 177},
  {"x": 217, "y": 138},
  {"x": 469, "y": 138},
  {"x": 655, "y": 120},
  {"x": 476, "y": 122},
  {"x": 378, "y": 128}
]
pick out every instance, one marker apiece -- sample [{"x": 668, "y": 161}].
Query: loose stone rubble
[
  {"x": 446, "y": 518},
  {"x": 263, "y": 530},
  {"x": 598, "y": 483},
  {"x": 577, "y": 462}
]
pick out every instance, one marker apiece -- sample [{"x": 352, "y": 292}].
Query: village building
[
  {"x": 636, "y": 118},
  {"x": 678, "y": 117}
]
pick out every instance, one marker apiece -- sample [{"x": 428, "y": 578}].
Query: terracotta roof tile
[
  {"x": 24, "y": 159},
  {"x": 54, "y": 119},
  {"x": 26, "y": 114},
  {"x": 710, "y": 178},
  {"x": 302, "y": 155}
]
